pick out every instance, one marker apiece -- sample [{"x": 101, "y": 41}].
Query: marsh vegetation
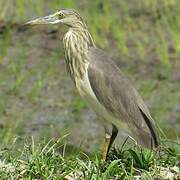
[{"x": 38, "y": 98}]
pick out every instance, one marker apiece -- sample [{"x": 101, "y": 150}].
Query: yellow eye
[{"x": 61, "y": 15}]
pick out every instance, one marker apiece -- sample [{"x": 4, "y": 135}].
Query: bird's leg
[
  {"x": 105, "y": 147},
  {"x": 113, "y": 136},
  {"x": 109, "y": 139}
]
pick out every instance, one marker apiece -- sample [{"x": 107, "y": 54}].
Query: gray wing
[{"x": 119, "y": 97}]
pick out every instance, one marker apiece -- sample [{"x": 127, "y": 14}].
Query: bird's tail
[{"x": 150, "y": 140}]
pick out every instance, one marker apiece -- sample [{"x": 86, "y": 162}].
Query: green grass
[
  {"x": 50, "y": 161},
  {"x": 142, "y": 36},
  {"x": 38, "y": 98},
  {"x": 122, "y": 20}
]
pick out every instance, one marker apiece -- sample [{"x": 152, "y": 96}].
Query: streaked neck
[{"x": 77, "y": 42}]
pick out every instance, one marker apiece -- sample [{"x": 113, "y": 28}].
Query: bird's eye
[{"x": 61, "y": 15}]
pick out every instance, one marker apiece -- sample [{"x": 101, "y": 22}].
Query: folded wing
[{"x": 115, "y": 92}]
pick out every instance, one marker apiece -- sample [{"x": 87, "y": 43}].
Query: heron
[{"x": 102, "y": 84}]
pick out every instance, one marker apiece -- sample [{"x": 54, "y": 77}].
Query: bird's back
[{"x": 115, "y": 92}]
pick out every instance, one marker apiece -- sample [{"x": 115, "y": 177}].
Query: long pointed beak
[{"x": 51, "y": 19}]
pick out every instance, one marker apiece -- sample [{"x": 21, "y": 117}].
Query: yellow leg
[
  {"x": 105, "y": 148},
  {"x": 109, "y": 139}
]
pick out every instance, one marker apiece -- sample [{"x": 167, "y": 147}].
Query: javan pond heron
[{"x": 99, "y": 80}]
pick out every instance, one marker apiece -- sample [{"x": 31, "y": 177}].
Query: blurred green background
[{"x": 37, "y": 97}]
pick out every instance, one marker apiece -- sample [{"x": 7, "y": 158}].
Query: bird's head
[{"x": 65, "y": 16}]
